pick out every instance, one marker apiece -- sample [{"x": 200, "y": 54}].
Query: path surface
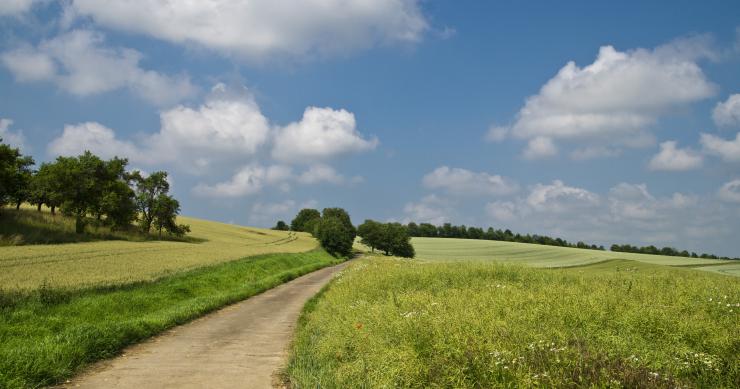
[{"x": 240, "y": 346}]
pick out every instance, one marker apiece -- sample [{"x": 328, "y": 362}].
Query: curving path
[{"x": 240, "y": 346}]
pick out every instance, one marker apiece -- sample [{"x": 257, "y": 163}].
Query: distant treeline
[
  {"x": 670, "y": 251},
  {"x": 448, "y": 230},
  {"x": 91, "y": 190}
]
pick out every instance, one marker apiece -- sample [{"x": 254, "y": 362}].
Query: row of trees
[
  {"x": 332, "y": 227},
  {"x": 669, "y": 251},
  {"x": 391, "y": 238},
  {"x": 86, "y": 187},
  {"x": 448, "y": 230}
]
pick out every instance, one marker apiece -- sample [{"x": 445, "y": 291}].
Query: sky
[{"x": 607, "y": 122}]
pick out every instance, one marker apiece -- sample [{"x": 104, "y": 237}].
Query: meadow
[
  {"x": 48, "y": 334},
  {"x": 125, "y": 259},
  {"x": 616, "y": 323},
  {"x": 535, "y": 255}
]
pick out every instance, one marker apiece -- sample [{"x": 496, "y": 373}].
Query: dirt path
[{"x": 240, "y": 346}]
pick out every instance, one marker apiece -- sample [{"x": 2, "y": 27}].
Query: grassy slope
[
  {"x": 115, "y": 262},
  {"x": 48, "y": 335},
  {"x": 535, "y": 255},
  {"x": 400, "y": 323}
]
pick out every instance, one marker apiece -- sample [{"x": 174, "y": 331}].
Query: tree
[
  {"x": 335, "y": 237},
  {"x": 45, "y": 188},
  {"x": 164, "y": 216},
  {"x": 148, "y": 191},
  {"x": 281, "y": 226},
  {"x": 15, "y": 175},
  {"x": 395, "y": 240},
  {"x": 371, "y": 233},
  {"x": 343, "y": 216},
  {"x": 304, "y": 217},
  {"x": 78, "y": 185}
]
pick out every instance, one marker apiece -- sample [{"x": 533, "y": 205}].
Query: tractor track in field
[{"x": 240, "y": 346}]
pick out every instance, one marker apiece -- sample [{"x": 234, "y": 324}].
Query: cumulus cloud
[
  {"x": 430, "y": 209},
  {"x": 540, "y": 147},
  {"x": 615, "y": 99},
  {"x": 627, "y": 213},
  {"x": 728, "y": 150},
  {"x": 79, "y": 62},
  {"x": 321, "y": 134},
  {"x": 497, "y": 133},
  {"x": 591, "y": 152},
  {"x": 671, "y": 158},
  {"x": 730, "y": 191},
  {"x": 248, "y": 180},
  {"x": 267, "y": 213},
  {"x": 727, "y": 113},
  {"x": 464, "y": 182},
  {"x": 16, "y": 7},
  {"x": 320, "y": 173},
  {"x": 95, "y": 137},
  {"x": 263, "y": 29},
  {"x": 13, "y": 138}
]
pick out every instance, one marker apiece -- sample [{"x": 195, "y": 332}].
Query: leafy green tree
[
  {"x": 45, "y": 187},
  {"x": 371, "y": 233},
  {"x": 304, "y": 217},
  {"x": 78, "y": 185},
  {"x": 281, "y": 226},
  {"x": 15, "y": 175},
  {"x": 335, "y": 237},
  {"x": 148, "y": 191},
  {"x": 343, "y": 216},
  {"x": 164, "y": 212}
]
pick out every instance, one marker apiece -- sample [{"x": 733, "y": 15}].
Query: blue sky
[{"x": 600, "y": 121}]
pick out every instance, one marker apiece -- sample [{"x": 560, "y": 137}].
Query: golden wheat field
[{"x": 119, "y": 262}]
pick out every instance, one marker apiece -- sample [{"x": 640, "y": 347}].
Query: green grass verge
[
  {"x": 47, "y": 335},
  {"x": 416, "y": 324}
]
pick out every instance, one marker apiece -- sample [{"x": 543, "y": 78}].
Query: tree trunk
[
  {"x": 79, "y": 224},
  {"x": 38, "y": 207},
  {"x": 18, "y": 206},
  {"x": 53, "y": 210}
]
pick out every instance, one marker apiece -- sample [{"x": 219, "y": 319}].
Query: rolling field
[
  {"x": 548, "y": 256},
  {"x": 468, "y": 324},
  {"x": 78, "y": 265}
]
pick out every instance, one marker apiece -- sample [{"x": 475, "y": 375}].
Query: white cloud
[
  {"x": 628, "y": 213},
  {"x": 228, "y": 125},
  {"x": 13, "y": 138},
  {"x": 248, "y": 180},
  {"x": 727, "y": 113},
  {"x": 263, "y": 29},
  {"x": 728, "y": 150},
  {"x": 320, "y": 173},
  {"x": 430, "y": 209},
  {"x": 321, "y": 134},
  {"x": 671, "y": 158},
  {"x": 16, "y": 7},
  {"x": 615, "y": 99},
  {"x": 558, "y": 197},
  {"x": 467, "y": 183},
  {"x": 79, "y": 63},
  {"x": 540, "y": 147},
  {"x": 730, "y": 191},
  {"x": 95, "y": 137}
]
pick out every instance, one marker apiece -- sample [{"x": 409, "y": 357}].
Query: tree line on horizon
[
  {"x": 91, "y": 190},
  {"x": 448, "y": 230},
  {"x": 336, "y": 233}
]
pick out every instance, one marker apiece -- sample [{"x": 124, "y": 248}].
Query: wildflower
[{"x": 358, "y": 326}]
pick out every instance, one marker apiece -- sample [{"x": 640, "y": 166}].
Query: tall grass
[
  {"x": 26, "y": 226},
  {"x": 411, "y": 324},
  {"x": 48, "y": 334}
]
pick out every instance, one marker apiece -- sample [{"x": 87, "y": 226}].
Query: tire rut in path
[{"x": 239, "y": 346}]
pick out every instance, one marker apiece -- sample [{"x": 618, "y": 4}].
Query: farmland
[
  {"x": 482, "y": 323},
  {"x": 545, "y": 256},
  {"x": 116, "y": 262}
]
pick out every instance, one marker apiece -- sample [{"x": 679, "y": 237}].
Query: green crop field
[
  {"x": 116, "y": 262},
  {"x": 489, "y": 324},
  {"x": 544, "y": 256}
]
